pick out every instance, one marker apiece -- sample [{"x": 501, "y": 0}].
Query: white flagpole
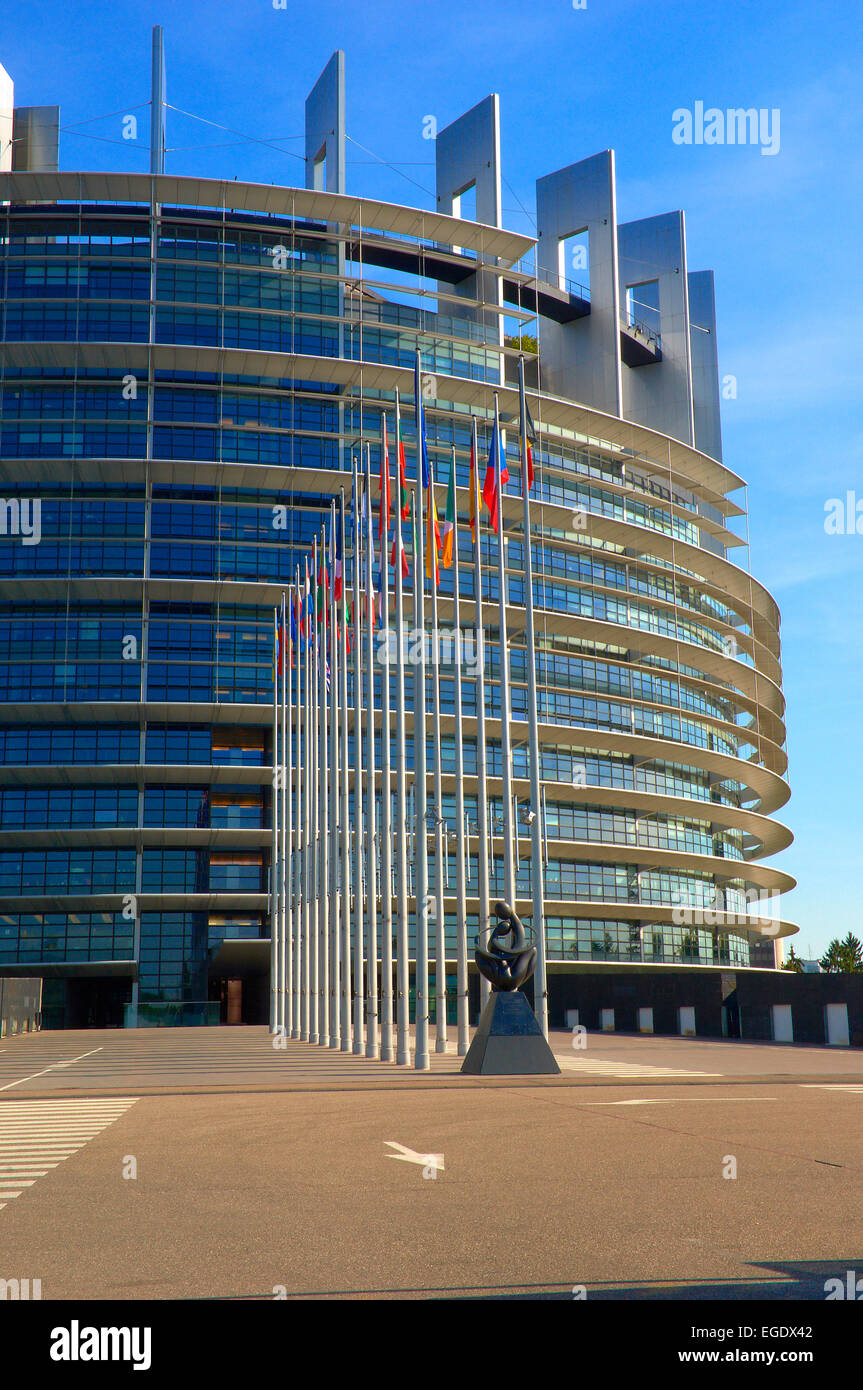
[
  {"x": 296, "y": 871},
  {"x": 386, "y": 773},
  {"x": 359, "y": 983},
  {"x": 314, "y": 935},
  {"x": 323, "y": 836},
  {"x": 274, "y": 855},
  {"x": 333, "y": 801},
  {"x": 540, "y": 983},
  {"x": 306, "y": 1017},
  {"x": 461, "y": 886},
  {"x": 403, "y": 1047},
  {"x": 345, "y": 792},
  {"x": 285, "y": 972},
  {"x": 371, "y": 823},
  {"x": 440, "y": 920},
  {"x": 505, "y": 716},
  {"x": 481, "y": 744},
  {"x": 421, "y": 1045}
]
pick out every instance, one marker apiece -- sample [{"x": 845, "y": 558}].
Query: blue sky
[{"x": 783, "y": 234}]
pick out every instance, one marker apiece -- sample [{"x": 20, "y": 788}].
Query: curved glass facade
[{"x": 180, "y": 388}]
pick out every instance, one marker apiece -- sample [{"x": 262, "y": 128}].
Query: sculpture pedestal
[{"x": 509, "y": 1041}]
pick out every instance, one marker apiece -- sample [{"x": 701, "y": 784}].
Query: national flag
[
  {"x": 433, "y": 540},
  {"x": 369, "y": 551},
  {"x": 489, "y": 487},
  {"x": 338, "y": 566},
  {"x": 448, "y": 529},
  {"x": 294, "y": 636},
  {"x": 473, "y": 487},
  {"x": 422, "y": 449},
  {"x": 403, "y": 494},
  {"x": 528, "y": 434},
  {"x": 384, "y": 513},
  {"x": 309, "y": 613},
  {"x": 398, "y": 541},
  {"x": 282, "y": 642},
  {"x": 323, "y": 588}
]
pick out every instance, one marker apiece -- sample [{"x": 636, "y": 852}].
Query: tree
[
  {"x": 793, "y": 963},
  {"x": 526, "y": 343},
  {"x": 843, "y": 957}
]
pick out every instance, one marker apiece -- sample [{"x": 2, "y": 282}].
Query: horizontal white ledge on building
[
  {"x": 755, "y": 682},
  {"x": 630, "y": 442},
  {"x": 769, "y": 835},
  {"x": 716, "y": 575},
  {"x": 110, "y": 836},
  {"x": 560, "y": 849},
  {"x": 183, "y": 194},
  {"x": 769, "y": 787},
  {"x": 646, "y": 914},
  {"x": 250, "y": 903}
]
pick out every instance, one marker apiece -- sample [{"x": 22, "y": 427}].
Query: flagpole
[
  {"x": 421, "y": 1052},
  {"x": 505, "y": 715},
  {"x": 440, "y": 920},
  {"x": 296, "y": 872},
  {"x": 323, "y": 796},
  {"x": 537, "y": 877},
  {"x": 359, "y": 985},
  {"x": 461, "y": 886},
  {"x": 484, "y": 887},
  {"x": 306, "y": 1018},
  {"x": 314, "y": 935},
  {"x": 403, "y": 1050},
  {"x": 274, "y": 855},
  {"x": 345, "y": 792},
  {"x": 371, "y": 822},
  {"x": 333, "y": 800},
  {"x": 386, "y": 765},
  {"x": 286, "y": 973}
]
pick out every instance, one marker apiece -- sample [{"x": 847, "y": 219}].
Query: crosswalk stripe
[{"x": 37, "y": 1136}]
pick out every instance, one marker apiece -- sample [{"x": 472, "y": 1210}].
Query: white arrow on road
[
  {"x": 675, "y": 1100},
  {"x": 410, "y": 1156}
]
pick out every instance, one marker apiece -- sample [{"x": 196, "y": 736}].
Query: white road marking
[
  {"x": 848, "y": 1087},
  {"x": 676, "y": 1100},
  {"x": 595, "y": 1066},
  {"x": 38, "y": 1135},
  {"x": 54, "y": 1067},
  {"x": 411, "y": 1156}
]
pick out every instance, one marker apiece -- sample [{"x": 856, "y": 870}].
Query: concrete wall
[
  {"x": 745, "y": 997},
  {"x": 582, "y": 359},
  {"x": 325, "y": 127},
  {"x": 7, "y": 106},
  {"x": 660, "y": 395},
  {"x": 705, "y": 363},
  {"x": 467, "y": 154},
  {"x": 36, "y": 133}
]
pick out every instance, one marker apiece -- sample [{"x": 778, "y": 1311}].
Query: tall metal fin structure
[
  {"x": 467, "y": 156},
  {"x": 157, "y": 104}
]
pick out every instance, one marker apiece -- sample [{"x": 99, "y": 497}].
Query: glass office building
[{"x": 182, "y": 358}]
